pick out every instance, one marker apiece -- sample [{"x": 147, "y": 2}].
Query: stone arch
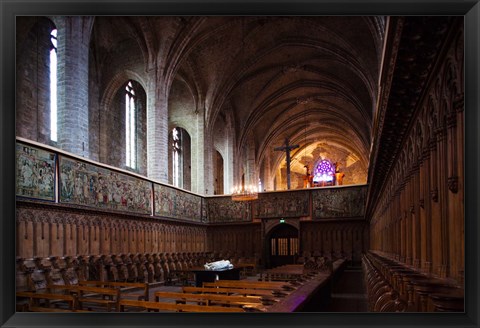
[
  {"x": 184, "y": 166},
  {"x": 109, "y": 113}
]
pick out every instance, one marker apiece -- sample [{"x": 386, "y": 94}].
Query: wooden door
[{"x": 283, "y": 245}]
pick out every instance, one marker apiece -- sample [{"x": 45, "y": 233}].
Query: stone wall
[{"x": 33, "y": 83}]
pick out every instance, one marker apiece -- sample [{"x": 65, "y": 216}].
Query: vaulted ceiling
[
  {"x": 305, "y": 78},
  {"x": 311, "y": 79}
]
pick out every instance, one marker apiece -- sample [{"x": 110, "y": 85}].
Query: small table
[{"x": 202, "y": 275}]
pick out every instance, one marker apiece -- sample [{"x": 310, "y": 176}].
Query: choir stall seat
[{"x": 70, "y": 274}]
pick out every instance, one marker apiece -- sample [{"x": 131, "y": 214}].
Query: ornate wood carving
[{"x": 453, "y": 184}]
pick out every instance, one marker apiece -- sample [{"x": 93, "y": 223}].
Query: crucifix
[{"x": 287, "y": 149}]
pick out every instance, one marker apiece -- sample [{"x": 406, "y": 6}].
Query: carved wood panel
[
  {"x": 419, "y": 216},
  {"x": 43, "y": 230}
]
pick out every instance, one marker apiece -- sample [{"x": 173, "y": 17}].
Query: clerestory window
[
  {"x": 53, "y": 85},
  {"x": 177, "y": 157},
  {"x": 130, "y": 127}
]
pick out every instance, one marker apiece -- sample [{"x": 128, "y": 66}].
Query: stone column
[
  {"x": 251, "y": 178},
  {"x": 157, "y": 128},
  {"x": 198, "y": 153},
  {"x": 228, "y": 160},
  {"x": 268, "y": 176},
  {"x": 205, "y": 181},
  {"x": 73, "y": 49}
]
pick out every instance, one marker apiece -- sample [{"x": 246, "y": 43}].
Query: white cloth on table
[{"x": 218, "y": 265}]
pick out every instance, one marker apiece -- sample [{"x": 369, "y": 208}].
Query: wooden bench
[
  {"x": 35, "y": 298},
  {"x": 246, "y": 268},
  {"x": 269, "y": 285},
  {"x": 210, "y": 299},
  {"x": 289, "y": 273},
  {"x": 232, "y": 291},
  {"x": 108, "y": 297},
  {"x": 146, "y": 305},
  {"x": 48, "y": 309},
  {"x": 125, "y": 287}
]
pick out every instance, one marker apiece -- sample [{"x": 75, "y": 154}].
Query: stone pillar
[
  {"x": 73, "y": 48},
  {"x": 228, "y": 160},
  {"x": 251, "y": 177},
  {"x": 157, "y": 128},
  {"x": 205, "y": 183},
  {"x": 198, "y": 153},
  {"x": 268, "y": 176}
]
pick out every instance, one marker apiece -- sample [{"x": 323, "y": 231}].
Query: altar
[{"x": 203, "y": 275}]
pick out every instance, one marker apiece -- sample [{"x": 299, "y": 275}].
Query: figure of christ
[{"x": 287, "y": 149}]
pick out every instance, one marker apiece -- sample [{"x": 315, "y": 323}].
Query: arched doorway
[{"x": 282, "y": 245}]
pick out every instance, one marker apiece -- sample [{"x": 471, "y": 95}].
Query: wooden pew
[
  {"x": 125, "y": 287},
  {"x": 146, "y": 305},
  {"x": 108, "y": 297},
  {"x": 48, "y": 309},
  {"x": 265, "y": 293},
  {"x": 314, "y": 290},
  {"x": 290, "y": 274},
  {"x": 35, "y": 298},
  {"x": 269, "y": 285},
  {"x": 246, "y": 268},
  {"x": 210, "y": 299}
]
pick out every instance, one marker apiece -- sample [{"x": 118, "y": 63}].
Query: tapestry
[
  {"x": 284, "y": 204},
  {"x": 223, "y": 209},
  {"x": 82, "y": 183},
  {"x": 339, "y": 202},
  {"x": 177, "y": 204},
  {"x": 35, "y": 172}
]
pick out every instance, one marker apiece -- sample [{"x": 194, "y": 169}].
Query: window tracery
[
  {"x": 324, "y": 173},
  {"x": 53, "y": 85},
  {"x": 130, "y": 123}
]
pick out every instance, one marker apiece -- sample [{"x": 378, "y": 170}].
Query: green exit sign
[{"x": 282, "y": 220}]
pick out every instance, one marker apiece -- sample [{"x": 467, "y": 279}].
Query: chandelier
[{"x": 244, "y": 193}]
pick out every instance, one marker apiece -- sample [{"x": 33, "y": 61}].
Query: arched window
[
  {"x": 179, "y": 161},
  {"x": 177, "y": 157},
  {"x": 53, "y": 85},
  {"x": 130, "y": 126},
  {"x": 324, "y": 172}
]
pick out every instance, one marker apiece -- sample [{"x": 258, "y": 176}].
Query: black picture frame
[{"x": 10, "y": 8}]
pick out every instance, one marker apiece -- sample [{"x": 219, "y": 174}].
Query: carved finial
[
  {"x": 453, "y": 184},
  {"x": 434, "y": 194}
]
